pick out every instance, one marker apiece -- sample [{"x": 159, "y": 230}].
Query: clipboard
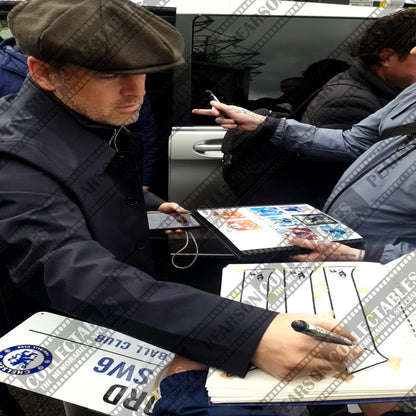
[{"x": 260, "y": 232}]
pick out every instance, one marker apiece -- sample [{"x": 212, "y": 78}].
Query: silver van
[{"x": 241, "y": 50}]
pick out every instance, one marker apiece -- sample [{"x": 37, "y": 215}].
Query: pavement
[{"x": 32, "y": 404}]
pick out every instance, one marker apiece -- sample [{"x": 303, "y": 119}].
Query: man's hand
[
  {"x": 379, "y": 409},
  {"x": 181, "y": 364},
  {"x": 325, "y": 251},
  {"x": 170, "y": 207},
  {"x": 285, "y": 353},
  {"x": 174, "y": 209},
  {"x": 232, "y": 117}
]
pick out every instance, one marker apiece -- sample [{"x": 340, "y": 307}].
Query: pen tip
[{"x": 298, "y": 325}]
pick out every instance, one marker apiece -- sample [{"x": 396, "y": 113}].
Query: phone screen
[{"x": 161, "y": 221}]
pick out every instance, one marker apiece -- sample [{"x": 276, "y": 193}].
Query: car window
[{"x": 244, "y": 59}]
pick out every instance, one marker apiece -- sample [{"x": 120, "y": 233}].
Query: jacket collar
[
  {"x": 106, "y": 132},
  {"x": 362, "y": 72},
  {"x": 63, "y": 139},
  {"x": 66, "y": 137},
  {"x": 52, "y": 106},
  {"x": 401, "y": 116}
]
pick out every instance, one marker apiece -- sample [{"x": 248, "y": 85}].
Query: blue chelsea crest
[{"x": 24, "y": 359}]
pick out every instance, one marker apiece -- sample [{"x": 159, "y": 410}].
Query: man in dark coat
[{"x": 73, "y": 226}]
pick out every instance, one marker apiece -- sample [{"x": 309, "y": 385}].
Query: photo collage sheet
[{"x": 264, "y": 227}]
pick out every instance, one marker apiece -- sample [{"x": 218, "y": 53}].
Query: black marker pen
[
  {"x": 212, "y": 95},
  {"x": 320, "y": 333}
]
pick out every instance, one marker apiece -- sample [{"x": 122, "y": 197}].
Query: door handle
[{"x": 210, "y": 148}]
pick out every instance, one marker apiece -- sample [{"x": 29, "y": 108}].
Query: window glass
[{"x": 244, "y": 59}]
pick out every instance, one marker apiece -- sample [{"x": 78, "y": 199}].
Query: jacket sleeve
[
  {"x": 393, "y": 251},
  {"x": 372, "y": 252},
  {"x": 152, "y": 201},
  {"x": 385, "y": 254},
  {"x": 328, "y": 144},
  {"x": 49, "y": 252}
]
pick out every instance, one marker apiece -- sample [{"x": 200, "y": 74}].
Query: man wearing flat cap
[{"x": 73, "y": 215}]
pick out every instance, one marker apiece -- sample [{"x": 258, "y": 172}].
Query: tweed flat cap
[{"x": 114, "y": 36}]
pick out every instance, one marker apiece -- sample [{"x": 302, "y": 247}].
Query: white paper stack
[{"x": 377, "y": 302}]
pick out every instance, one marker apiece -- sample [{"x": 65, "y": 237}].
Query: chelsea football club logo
[{"x": 24, "y": 359}]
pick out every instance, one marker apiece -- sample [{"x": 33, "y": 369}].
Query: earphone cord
[
  {"x": 113, "y": 138},
  {"x": 187, "y": 234}
]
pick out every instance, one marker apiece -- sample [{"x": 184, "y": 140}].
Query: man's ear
[
  {"x": 385, "y": 54},
  {"x": 40, "y": 72}
]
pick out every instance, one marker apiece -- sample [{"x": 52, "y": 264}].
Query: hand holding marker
[
  {"x": 214, "y": 98},
  {"x": 320, "y": 333}
]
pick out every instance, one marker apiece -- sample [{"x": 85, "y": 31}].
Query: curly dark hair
[{"x": 396, "y": 31}]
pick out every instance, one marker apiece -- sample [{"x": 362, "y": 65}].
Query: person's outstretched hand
[
  {"x": 325, "y": 251},
  {"x": 232, "y": 117},
  {"x": 172, "y": 207}
]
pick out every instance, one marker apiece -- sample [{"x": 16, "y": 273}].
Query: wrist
[{"x": 269, "y": 126}]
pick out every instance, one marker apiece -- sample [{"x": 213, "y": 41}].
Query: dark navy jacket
[
  {"x": 13, "y": 67},
  {"x": 147, "y": 127},
  {"x": 73, "y": 233}
]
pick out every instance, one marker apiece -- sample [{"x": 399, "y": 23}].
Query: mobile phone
[{"x": 161, "y": 221}]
